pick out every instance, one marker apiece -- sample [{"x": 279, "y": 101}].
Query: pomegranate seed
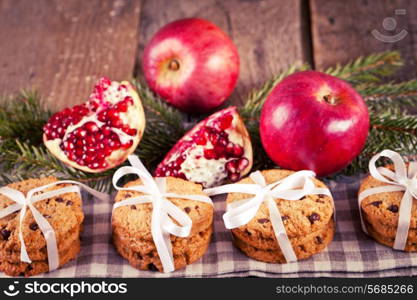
[
  {"x": 116, "y": 123},
  {"x": 129, "y": 131},
  {"x": 94, "y": 165},
  {"x": 79, "y": 143},
  {"x": 107, "y": 131},
  {"x": 94, "y": 105},
  {"x": 220, "y": 151},
  {"x": 80, "y": 132},
  {"x": 99, "y": 136},
  {"x": 114, "y": 144},
  {"x": 242, "y": 164},
  {"x": 231, "y": 166},
  {"x": 113, "y": 114},
  {"x": 127, "y": 145},
  {"x": 107, "y": 151},
  {"x": 201, "y": 140},
  {"x": 91, "y": 127},
  {"x": 225, "y": 122},
  {"x": 182, "y": 176},
  {"x": 213, "y": 138},
  {"x": 89, "y": 159},
  {"x": 234, "y": 177},
  {"x": 128, "y": 100},
  {"x": 102, "y": 116},
  {"x": 222, "y": 141},
  {"x": 122, "y": 106},
  {"x": 79, "y": 152},
  {"x": 237, "y": 150},
  {"x": 209, "y": 154}
]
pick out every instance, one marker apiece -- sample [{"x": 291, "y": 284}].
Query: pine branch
[
  {"x": 257, "y": 97},
  {"x": 390, "y": 95},
  {"x": 388, "y": 131},
  {"x": 371, "y": 68},
  {"x": 21, "y": 118},
  {"x": 164, "y": 127},
  {"x": 251, "y": 110}
]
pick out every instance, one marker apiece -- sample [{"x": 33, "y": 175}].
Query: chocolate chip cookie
[
  {"x": 63, "y": 212},
  {"x": 308, "y": 222},
  {"x": 381, "y": 213},
  {"x": 132, "y": 227}
]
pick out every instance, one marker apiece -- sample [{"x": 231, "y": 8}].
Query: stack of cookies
[
  {"x": 132, "y": 235},
  {"x": 308, "y": 222},
  {"x": 63, "y": 212},
  {"x": 380, "y": 214}
]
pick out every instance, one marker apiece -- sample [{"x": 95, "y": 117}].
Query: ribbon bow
[
  {"x": 293, "y": 187},
  {"x": 399, "y": 180},
  {"x": 162, "y": 209},
  {"x": 24, "y": 202}
]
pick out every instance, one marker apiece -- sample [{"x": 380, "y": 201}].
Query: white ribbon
[
  {"x": 34, "y": 195},
  {"x": 162, "y": 209},
  {"x": 399, "y": 180},
  {"x": 293, "y": 188}
]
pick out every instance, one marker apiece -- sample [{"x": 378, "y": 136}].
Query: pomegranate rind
[
  {"x": 237, "y": 132},
  {"x": 136, "y": 120}
]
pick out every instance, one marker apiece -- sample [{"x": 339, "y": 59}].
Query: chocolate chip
[
  {"x": 196, "y": 207},
  {"x": 152, "y": 267},
  {"x": 303, "y": 198},
  {"x": 321, "y": 196},
  {"x": 302, "y": 248},
  {"x": 21, "y": 274},
  {"x": 47, "y": 216},
  {"x": 314, "y": 217},
  {"x": 5, "y": 234},
  {"x": 319, "y": 240},
  {"x": 248, "y": 232},
  {"x": 33, "y": 226},
  {"x": 69, "y": 203},
  {"x": 393, "y": 208},
  {"x": 187, "y": 209},
  {"x": 133, "y": 207},
  {"x": 47, "y": 201},
  {"x": 284, "y": 218},
  {"x": 29, "y": 268},
  {"x": 262, "y": 221},
  {"x": 127, "y": 195},
  {"x": 139, "y": 256},
  {"x": 376, "y": 203},
  {"x": 59, "y": 199}
]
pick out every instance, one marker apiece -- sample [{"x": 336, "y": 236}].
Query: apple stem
[
  {"x": 330, "y": 99},
  {"x": 174, "y": 65}
]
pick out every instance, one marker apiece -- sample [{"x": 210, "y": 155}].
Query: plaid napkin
[{"x": 351, "y": 254}]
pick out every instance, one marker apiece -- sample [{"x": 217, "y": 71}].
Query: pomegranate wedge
[
  {"x": 216, "y": 150},
  {"x": 102, "y": 132}
]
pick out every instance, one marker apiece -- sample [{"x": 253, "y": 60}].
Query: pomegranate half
[
  {"x": 99, "y": 134},
  {"x": 215, "y": 150}
]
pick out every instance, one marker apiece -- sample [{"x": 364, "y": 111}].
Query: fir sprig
[
  {"x": 23, "y": 154},
  {"x": 164, "y": 126},
  {"x": 367, "y": 69}
]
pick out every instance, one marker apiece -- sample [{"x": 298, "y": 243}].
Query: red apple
[
  {"x": 192, "y": 64},
  {"x": 314, "y": 121}
]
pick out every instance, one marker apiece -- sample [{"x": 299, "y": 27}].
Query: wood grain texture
[
  {"x": 61, "y": 47},
  {"x": 342, "y": 30},
  {"x": 269, "y": 34}
]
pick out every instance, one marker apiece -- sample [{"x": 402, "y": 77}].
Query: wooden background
[{"x": 60, "y": 47}]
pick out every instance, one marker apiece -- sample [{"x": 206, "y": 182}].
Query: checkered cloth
[{"x": 351, "y": 254}]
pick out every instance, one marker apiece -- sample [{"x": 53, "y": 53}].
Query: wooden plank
[
  {"x": 62, "y": 47},
  {"x": 342, "y": 30},
  {"x": 269, "y": 34}
]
